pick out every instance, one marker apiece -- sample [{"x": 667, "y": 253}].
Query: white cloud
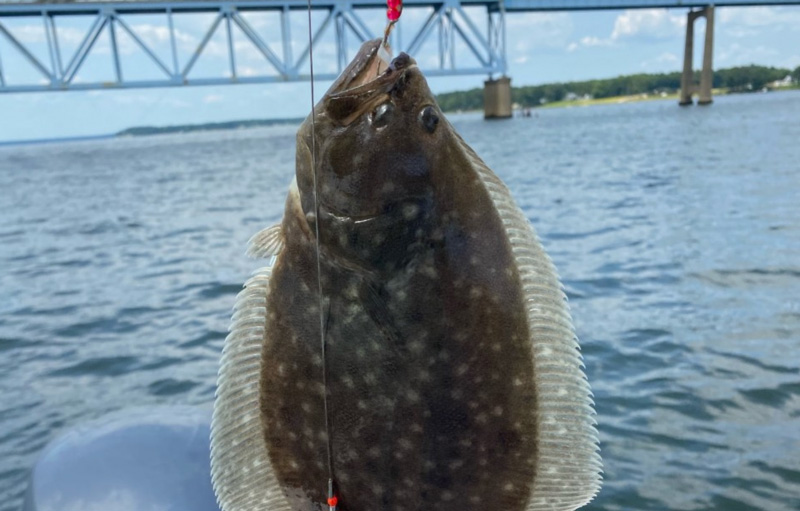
[
  {"x": 539, "y": 30},
  {"x": 648, "y": 23},
  {"x": 758, "y": 16},
  {"x": 639, "y": 24},
  {"x": 530, "y": 33},
  {"x": 32, "y": 34},
  {"x": 595, "y": 41},
  {"x": 741, "y": 55},
  {"x": 751, "y": 21},
  {"x": 666, "y": 60},
  {"x": 154, "y": 35},
  {"x": 247, "y": 71}
]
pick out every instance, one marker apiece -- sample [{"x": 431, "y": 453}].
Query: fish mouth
[{"x": 365, "y": 82}]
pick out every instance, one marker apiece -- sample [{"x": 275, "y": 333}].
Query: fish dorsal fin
[
  {"x": 569, "y": 468},
  {"x": 266, "y": 243},
  {"x": 241, "y": 472}
]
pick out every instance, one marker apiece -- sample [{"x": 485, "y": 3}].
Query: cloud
[
  {"x": 595, "y": 41},
  {"x": 33, "y": 34},
  {"x": 636, "y": 25},
  {"x": 758, "y": 16},
  {"x": 666, "y": 60},
  {"x": 530, "y": 33},
  {"x": 740, "y": 55},
  {"x": 648, "y": 24},
  {"x": 212, "y": 98},
  {"x": 154, "y": 35}
]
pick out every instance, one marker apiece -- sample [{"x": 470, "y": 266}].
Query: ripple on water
[
  {"x": 170, "y": 387},
  {"x": 104, "y": 366}
]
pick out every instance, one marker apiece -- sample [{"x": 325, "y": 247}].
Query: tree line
[{"x": 735, "y": 79}]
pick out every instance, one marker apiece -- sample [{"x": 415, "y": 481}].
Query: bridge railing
[{"x": 443, "y": 30}]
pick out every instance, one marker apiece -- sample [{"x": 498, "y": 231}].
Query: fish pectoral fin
[{"x": 266, "y": 242}]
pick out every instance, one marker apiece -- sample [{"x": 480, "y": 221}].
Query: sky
[{"x": 541, "y": 48}]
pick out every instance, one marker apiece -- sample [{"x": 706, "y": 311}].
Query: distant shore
[{"x": 211, "y": 126}]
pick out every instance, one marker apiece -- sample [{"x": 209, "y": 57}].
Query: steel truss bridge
[{"x": 451, "y": 25}]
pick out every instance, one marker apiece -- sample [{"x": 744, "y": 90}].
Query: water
[{"x": 677, "y": 233}]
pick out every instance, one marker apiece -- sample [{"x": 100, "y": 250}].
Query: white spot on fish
[
  {"x": 429, "y": 271},
  {"x": 410, "y": 211},
  {"x": 351, "y": 291}
]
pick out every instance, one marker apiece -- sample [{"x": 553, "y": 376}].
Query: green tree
[{"x": 736, "y": 79}]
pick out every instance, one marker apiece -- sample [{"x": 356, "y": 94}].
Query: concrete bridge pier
[
  {"x": 497, "y": 98},
  {"x": 707, "y": 73}
]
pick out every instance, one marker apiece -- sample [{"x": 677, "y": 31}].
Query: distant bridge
[{"x": 451, "y": 24}]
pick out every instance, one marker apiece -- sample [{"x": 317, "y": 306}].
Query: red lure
[{"x": 393, "y": 9}]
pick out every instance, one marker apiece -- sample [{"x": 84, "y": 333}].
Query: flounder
[{"x": 452, "y": 373}]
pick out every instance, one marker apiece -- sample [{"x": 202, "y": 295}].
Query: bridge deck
[{"x": 32, "y": 8}]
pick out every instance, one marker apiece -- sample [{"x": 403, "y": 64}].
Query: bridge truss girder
[{"x": 447, "y": 21}]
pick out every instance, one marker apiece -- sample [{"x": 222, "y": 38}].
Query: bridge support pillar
[
  {"x": 707, "y": 74},
  {"x": 687, "y": 78},
  {"x": 497, "y": 98}
]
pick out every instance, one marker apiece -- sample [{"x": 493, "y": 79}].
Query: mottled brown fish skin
[{"x": 430, "y": 372}]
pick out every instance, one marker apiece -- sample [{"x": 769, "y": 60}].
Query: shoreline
[{"x": 144, "y": 131}]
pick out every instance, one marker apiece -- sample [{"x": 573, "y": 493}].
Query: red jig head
[{"x": 393, "y": 10}]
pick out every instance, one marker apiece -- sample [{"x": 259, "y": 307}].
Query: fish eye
[
  {"x": 429, "y": 118},
  {"x": 382, "y": 114}
]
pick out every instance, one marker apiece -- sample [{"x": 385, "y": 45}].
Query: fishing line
[{"x": 332, "y": 501}]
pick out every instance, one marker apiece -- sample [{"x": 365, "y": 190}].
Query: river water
[{"x": 676, "y": 232}]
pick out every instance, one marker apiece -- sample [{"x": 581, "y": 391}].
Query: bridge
[{"x": 472, "y": 30}]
